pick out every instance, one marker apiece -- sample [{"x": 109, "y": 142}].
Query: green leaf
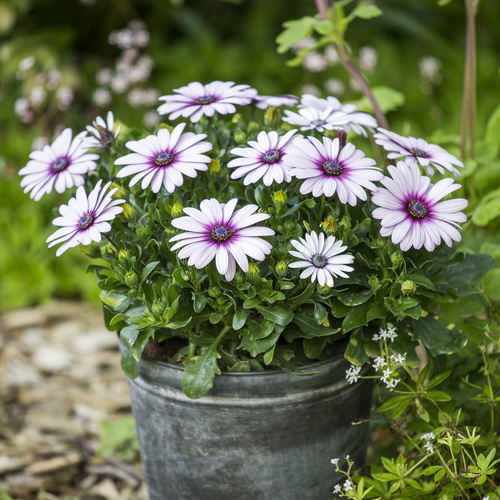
[
  {"x": 324, "y": 27},
  {"x": 129, "y": 364},
  {"x": 366, "y": 11},
  {"x": 355, "y": 317},
  {"x": 297, "y": 300},
  {"x": 239, "y": 318},
  {"x": 438, "y": 396},
  {"x": 309, "y": 326},
  {"x": 492, "y": 284},
  {"x": 438, "y": 379},
  {"x": 376, "y": 311},
  {"x": 148, "y": 270},
  {"x": 492, "y": 134},
  {"x": 388, "y": 99},
  {"x": 199, "y": 301},
  {"x": 314, "y": 347},
  {"x": 276, "y": 313},
  {"x": 198, "y": 377},
  {"x": 393, "y": 402},
  {"x": 437, "y": 338},
  {"x": 294, "y": 31},
  {"x": 258, "y": 346},
  {"x": 180, "y": 278}
]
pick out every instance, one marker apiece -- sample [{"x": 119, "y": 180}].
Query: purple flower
[
  {"x": 164, "y": 158},
  {"x": 356, "y": 120},
  {"x": 267, "y": 158},
  {"x": 264, "y": 101},
  {"x": 327, "y": 170},
  {"x": 218, "y": 231},
  {"x": 417, "y": 151},
  {"x": 60, "y": 165},
  {"x": 314, "y": 119},
  {"x": 195, "y": 100},
  {"x": 84, "y": 218},
  {"x": 410, "y": 210},
  {"x": 321, "y": 259}
]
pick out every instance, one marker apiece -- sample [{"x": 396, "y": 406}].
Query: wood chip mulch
[{"x": 60, "y": 379}]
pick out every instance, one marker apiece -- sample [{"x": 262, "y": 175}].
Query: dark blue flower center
[
  {"x": 272, "y": 156},
  {"x": 86, "y": 221},
  {"x": 206, "y": 99},
  {"x": 221, "y": 234},
  {"x": 319, "y": 260},
  {"x": 164, "y": 159},
  {"x": 417, "y": 209},
  {"x": 418, "y": 153},
  {"x": 318, "y": 123},
  {"x": 331, "y": 167},
  {"x": 59, "y": 165}
]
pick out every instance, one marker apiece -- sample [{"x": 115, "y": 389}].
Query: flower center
[
  {"x": 164, "y": 159},
  {"x": 417, "y": 209},
  {"x": 318, "y": 123},
  {"x": 59, "y": 165},
  {"x": 86, "y": 221},
  {"x": 332, "y": 168},
  {"x": 319, "y": 260},
  {"x": 418, "y": 152},
  {"x": 206, "y": 99},
  {"x": 221, "y": 234},
  {"x": 272, "y": 156}
]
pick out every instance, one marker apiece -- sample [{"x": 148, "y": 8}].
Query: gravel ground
[{"x": 60, "y": 383}]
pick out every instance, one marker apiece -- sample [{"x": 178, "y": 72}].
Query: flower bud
[
  {"x": 176, "y": 209},
  {"x": 123, "y": 257},
  {"x": 131, "y": 279},
  {"x": 345, "y": 222},
  {"x": 128, "y": 210},
  {"x": 120, "y": 190},
  {"x": 141, "y": 231},
  {"x": 237, "y": 118},
  {"x": 281, "y": 268},
  {"x": 158, "y": 307},
  {"x": 239, "y": 136},
  {"x": 253, "y": 269},
  {"x": 214, "y": 167},
  {"x": 290, "y": 226},
  {"x": 254, "y": 127},
  {"x": 374, "y": 283},
  {"x": 408, "y": 287},
  {"x": 329, "y": 225},
  {"x": 272, "y": 116},
  {"x": 214, "y": 292},
  {"x": 279, "y": 197},
  {"x": 397, "y": 258},
  {"x": 165, "y": 125},
  {"x": 93, "y": 251}
]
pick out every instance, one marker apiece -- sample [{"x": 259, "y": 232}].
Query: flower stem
[{"x": 322, "y": 8}]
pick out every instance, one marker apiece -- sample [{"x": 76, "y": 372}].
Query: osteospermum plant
[{"x": 260, "y": 232}]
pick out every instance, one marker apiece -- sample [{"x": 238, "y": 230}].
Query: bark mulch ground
[{"x": 60, "y": 384}]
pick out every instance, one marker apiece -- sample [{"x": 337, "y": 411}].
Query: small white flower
[
  {"x": 379, "y": 363},
  {"x": 391, "y": 384},
  {"x": 352, "y": 376},
  {"x": 337, "y": 488},
  {"x": 429, "y": 436},
  {"x": 398, "y": 359},
  {"x": 376, "y": 337},
  {"x": 102, "y": 133},
  {"x": 429, "y": 447},
  {"x": 348, "y": 485},
  {"x": 391, "y": 334},
  {"x": 321, "y": 258},
  {"x": 334, "y": 461}
]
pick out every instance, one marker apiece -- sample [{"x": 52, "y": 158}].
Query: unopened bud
[
  {"x": 93, "y": 251},
  {"x": 176, "y": 209},
  {"x": 408, "y": 287},
  {"x": 290, "y": 226},
  {"x": 281, "y": 268},
  {"x": 329, "y": 225},
  {"x": 271, "y": 116},
  {"x": 374, "y": 283},
  {"x": 120, "y": 190},
  {"x": 157, "y": 307},
  {"x": 165, "y": 125},
  {"x": 214, "y": 167},
  {"x": 254, "y": 127},
  {"x": 253, "y": 269},
  {"x": 237, "y": 118},
  {"x": 141, "y": 231},
  {"x": 239, "y": 136},
  {"x": 131, "y": 279},
  {"x": 128, "y": 210},
  {"x": 397, "y": 258},
  {"x": 123, "y": 257},
  {"x": 279, "y": 197},
  {"x": 214, "y": 292}
]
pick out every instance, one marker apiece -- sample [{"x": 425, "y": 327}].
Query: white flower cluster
[
  {"x": 389, "y": 334},
  {"x": 428, "y": 437},
  {"x": 352, "y": 374}
]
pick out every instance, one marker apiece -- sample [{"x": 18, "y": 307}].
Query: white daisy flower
[
  {"x": 266, "y": 159},
  {"x": 195, "y": 100},
  {"x": 327, "y": 169},
  {"x": 357, "y": 121},
  {"x": 417, "y": 152},
  {"x": 102, "y": 133},
  {"x": 314, "y": 119},
  {"x": 321, "y": 259},
  {"x": 164, "y": 159},
  {"x": 216, "y": 230},
  {"x": 84, "y": 218},
  {"x": 265, "y": 101},
  {"x": 60, "y": 165}
]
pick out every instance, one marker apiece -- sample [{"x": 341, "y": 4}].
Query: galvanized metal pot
[{"x": 254, "y": 436}]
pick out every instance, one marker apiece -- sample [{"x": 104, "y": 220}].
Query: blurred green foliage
[{"x": 67, "y": 46}]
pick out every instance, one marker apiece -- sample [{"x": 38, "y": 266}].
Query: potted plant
[{"x": 267, "y": 246}]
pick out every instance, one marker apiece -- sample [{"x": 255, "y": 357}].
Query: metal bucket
[{"x": 253, "y": 436}]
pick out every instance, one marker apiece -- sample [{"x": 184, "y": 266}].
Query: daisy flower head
[
  {"x": 411, "y": 212},
  {"x": 315, "y": 119},
  {"x": 357, "y": 121},
  {"x": 102, "y": 133},
  {"x": 60, "y": 165},
  {"x": 164, "y": 159},
  {"x": 85, "y": 218},
  {"x": 217, "y": 230},
  {"x": 195, "y": 100},
  {"x": 417, "y": 152},
  {"x": 321, "y": 259},
  {"x": 266, "y": 159},
  {"x": 327, "y": 169},
  {"x": 265, "y": 101}
]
